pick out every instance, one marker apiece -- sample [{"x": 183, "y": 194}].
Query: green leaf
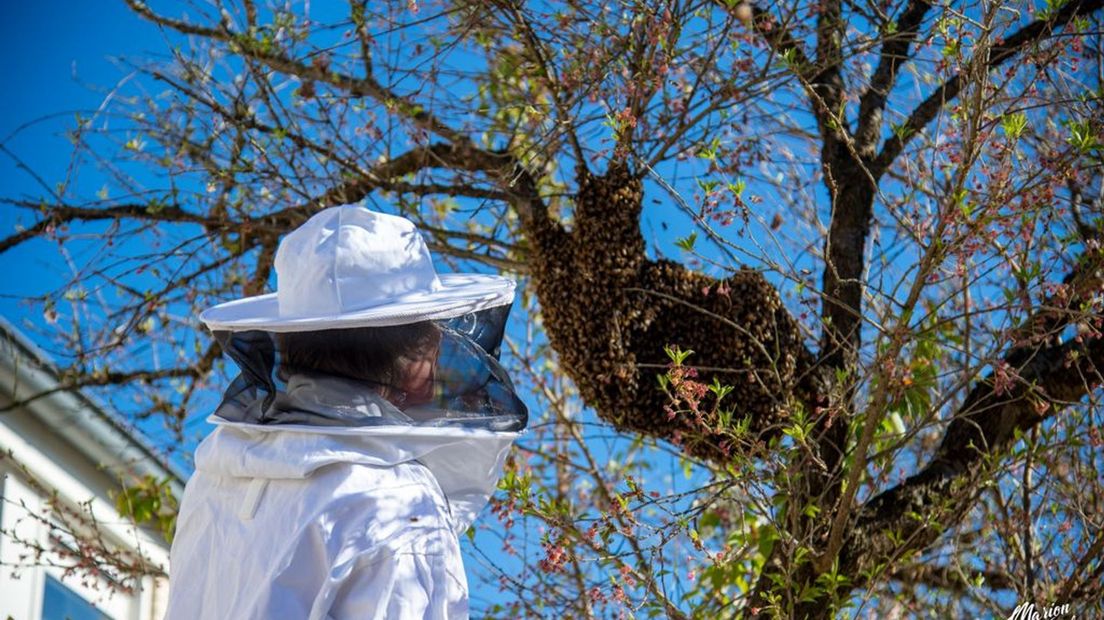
[
  {"x": 1082, "y": 136},
  {"x": 677, "y": 355},
  {"x": 1014, "y": 125},
  {"x": 687, "y": 243}
]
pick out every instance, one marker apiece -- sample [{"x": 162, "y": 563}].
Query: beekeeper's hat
[{"x": 348, "y": 266}]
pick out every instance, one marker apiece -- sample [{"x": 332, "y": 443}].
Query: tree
[{"x": 879, "y": 341}]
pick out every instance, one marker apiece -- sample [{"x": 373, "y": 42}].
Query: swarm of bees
[{"x": 610, "y": 311}]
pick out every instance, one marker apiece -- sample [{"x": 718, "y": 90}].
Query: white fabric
[
  {"x": 310, "y": 522},
  {"x": 346, "y": 259},
  {"x": 348, "y": 266}
]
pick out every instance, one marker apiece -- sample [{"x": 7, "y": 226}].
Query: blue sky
[{"x": 61, "y": 57}]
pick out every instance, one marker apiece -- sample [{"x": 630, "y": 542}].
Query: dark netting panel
[{"x": 432, "y": 374}]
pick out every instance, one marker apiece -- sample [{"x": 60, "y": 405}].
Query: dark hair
[{"x": 374, "y": 354}]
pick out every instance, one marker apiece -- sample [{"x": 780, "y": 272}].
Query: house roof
[{"x": 91, "y": 428}]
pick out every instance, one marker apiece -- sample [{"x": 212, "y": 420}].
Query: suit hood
[{"x": 466, "y": 463}]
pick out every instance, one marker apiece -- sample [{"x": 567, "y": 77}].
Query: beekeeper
[{"x": 367, "y": 427}]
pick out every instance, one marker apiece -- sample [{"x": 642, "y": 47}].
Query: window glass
[{"x": 61, "y": 603}]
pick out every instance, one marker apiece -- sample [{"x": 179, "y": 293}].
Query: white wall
[{"x": 56, "y": 465}]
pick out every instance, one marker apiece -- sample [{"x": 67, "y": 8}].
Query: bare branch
[
  {"x": 827, "y": 81},
  {"x": 952, "y": 578},
  {"x": 58, "y": 214},
  {"x": 895, "y": 51},
  {"x": 99, "y": 379},
  {"x": 998, "y": 55},
  {"x": 551, "y": 81},
  {"x": 359, "y": 87},
  {"x": 1050, "y": 378}
]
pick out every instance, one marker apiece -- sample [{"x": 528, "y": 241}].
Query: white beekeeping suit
[{"x": 367, "y": 428}]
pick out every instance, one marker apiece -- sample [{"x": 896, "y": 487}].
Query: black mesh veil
[{"x": 442, "y": 373}]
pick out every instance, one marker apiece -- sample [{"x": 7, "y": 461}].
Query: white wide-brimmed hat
[{"x": 349, "y": 266}]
